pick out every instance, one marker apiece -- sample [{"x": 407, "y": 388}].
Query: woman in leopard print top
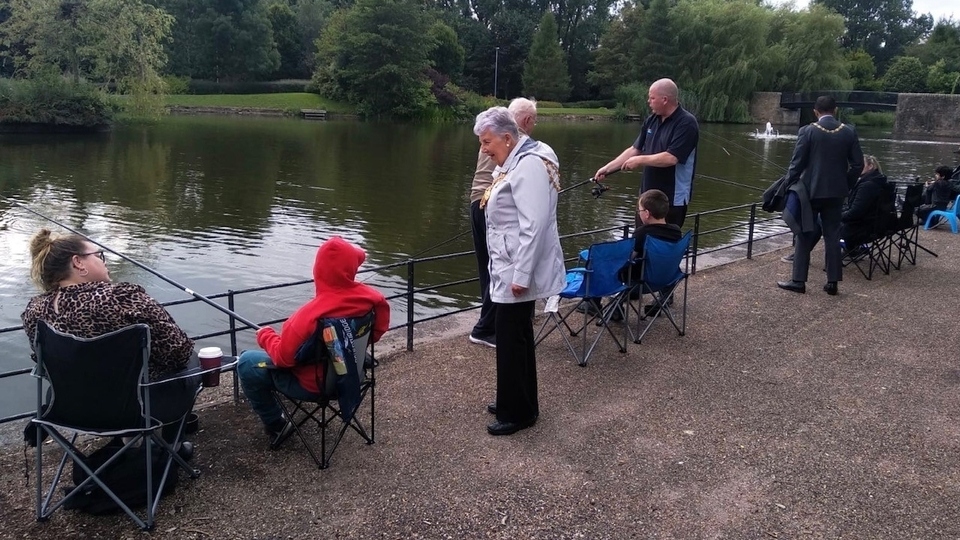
[{"x": 79, "y": 299}]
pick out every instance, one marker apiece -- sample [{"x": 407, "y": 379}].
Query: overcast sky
[{"x": 938, "y": 8}]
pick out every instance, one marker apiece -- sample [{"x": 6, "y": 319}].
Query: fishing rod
[
  {"x": 187, "y": 290},
  {"x": 596, "y": 191}
]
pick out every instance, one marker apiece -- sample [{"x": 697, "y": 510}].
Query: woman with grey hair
[{"x": 526, "y": 262}]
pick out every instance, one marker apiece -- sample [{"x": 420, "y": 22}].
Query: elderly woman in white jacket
[{"x": 526, "y": 262}]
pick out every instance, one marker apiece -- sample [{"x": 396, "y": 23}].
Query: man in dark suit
[{"x": 828, "y": 160}]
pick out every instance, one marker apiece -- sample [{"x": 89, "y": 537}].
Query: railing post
[
  {"x": 696, "y": 241},
  {"x": 753, "y": 220},
  {"x": 233, "y": 344},
  {"x": 626, "y": 230},
  {"x": 410, "y": 305}
]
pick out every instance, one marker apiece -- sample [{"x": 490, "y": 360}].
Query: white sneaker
[{"x": 489, "y": 341}]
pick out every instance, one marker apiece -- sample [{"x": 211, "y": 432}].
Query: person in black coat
[
  {"x": 938, "y": 193},
  {"x": 869, "y": 206},
  {"x": 827, "y": 160}
]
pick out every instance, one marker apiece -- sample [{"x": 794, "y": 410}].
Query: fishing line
[
  {"x": 731, "y": 182},
  {"x": 720, "y": 141},
  {"x": 187, "y": 290}
]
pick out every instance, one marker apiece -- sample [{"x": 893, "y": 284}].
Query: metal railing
[{"x": 741, "y": 232}]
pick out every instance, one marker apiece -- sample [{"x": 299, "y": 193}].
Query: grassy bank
[
  {"x": 286, "y": 102},
  {"x": 303, "y": 100}
]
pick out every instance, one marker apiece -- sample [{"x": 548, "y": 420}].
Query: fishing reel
[{"x": 598, "y": 190}]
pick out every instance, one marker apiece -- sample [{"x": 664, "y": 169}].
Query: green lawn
[
  {"x": 297, "y": 101},
  {"x": 289, "y": 101},
  {"x": 579, "y": 112}
]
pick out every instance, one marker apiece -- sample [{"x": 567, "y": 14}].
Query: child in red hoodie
[{"x": 337, "y": 295}]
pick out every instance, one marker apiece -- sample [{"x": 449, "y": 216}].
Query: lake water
[{"x": 227, "y": 203}]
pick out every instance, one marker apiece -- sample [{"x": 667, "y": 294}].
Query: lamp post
[{"x": 496, "y": 72}]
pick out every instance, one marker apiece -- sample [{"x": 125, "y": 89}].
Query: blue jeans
[{"x": 259, "y": 378}]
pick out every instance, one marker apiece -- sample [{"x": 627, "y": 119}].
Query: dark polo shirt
[{"x": 677, "y": 134}]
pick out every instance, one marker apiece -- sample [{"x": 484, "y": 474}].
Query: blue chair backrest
[
  {"x": 956, "y": 206},
  {"x": 661, "y": 261},
  {"x": 604, "y": 263}
]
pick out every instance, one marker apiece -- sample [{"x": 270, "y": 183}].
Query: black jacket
[
  {"x": 827, "y": 158},
  {"x": 870, "y": 205}
]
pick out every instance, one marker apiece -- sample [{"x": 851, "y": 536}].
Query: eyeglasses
[{"x": 98, "y": 254}]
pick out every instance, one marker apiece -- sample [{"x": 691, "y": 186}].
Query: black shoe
[
  {"x": 185, "y": 451},
  {"x": 591, "y": 306},
  {"x": 831, "y": 288},
  {"x": 793, "y": 286},
  {"x": 617, "y": 315},
  {"x": 278, "y": 432},
  {"x": 650, "y": 310},
  {"x": 492, "y": 408},
  {"x": 509, "y": 428}
]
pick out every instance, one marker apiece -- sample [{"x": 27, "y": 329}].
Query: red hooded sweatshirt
[{"x": 338, "y": 295}]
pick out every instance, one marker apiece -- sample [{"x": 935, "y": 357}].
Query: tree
[
  {"x": 861, "y": 69},
  {"x": 222, "y": 39},
  {"x": 812, "y": 57},
  {"x": 943, "y": 44},
  {"x": 447, "y": 53},
  {"x": 658, "y": 46},
  {"x": 883, "y": 28},
  {"x": 545, "y": 71},
  {"x": 906, "y": 74},
  {"x": 941, "y": 81},
  {"x": 724, "y": 55},
  {"x": 286, "y": 35},
  {"x": 615, "y": 63},
  {"x": 113, "y": 42},
  {"x": 374, "y": 54}
]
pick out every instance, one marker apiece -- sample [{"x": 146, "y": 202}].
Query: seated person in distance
[{"x": 937, "y": 193}]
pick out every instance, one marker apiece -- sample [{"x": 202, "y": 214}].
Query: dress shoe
[
  {"x": 509, "y": 428},
  {"x": 831, "y": 288},
  {"x": 793, "y": 286},
  {"x": 185, "y": 450},
  {"x": 492, "y": 408}
]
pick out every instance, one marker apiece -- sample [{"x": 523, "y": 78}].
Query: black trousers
[
  {"x": 516, "y": 363},
  {"x": 170, "y": 401},
  {"x": 829, "y": 211},
  {"x": 486, "y": 325}
]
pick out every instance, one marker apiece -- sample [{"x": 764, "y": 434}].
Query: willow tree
[
  {"x": 545, "y": 71},
  {"x": 809, "y": 42},
  {"x": 724, "y": 56}
]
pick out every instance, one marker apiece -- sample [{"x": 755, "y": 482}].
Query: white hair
[{"x": 497, "y": 120}]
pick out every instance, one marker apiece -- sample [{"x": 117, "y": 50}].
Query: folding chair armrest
[
  {"x": 579, "y": 270},
  {"x": 228, "y": 363}
]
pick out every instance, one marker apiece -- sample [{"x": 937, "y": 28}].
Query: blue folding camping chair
[
  {"x": 599, "y": 277},
  {"x": 660, "y": 277}
]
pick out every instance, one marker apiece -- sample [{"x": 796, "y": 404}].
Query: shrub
[
  {"x": 202, "y": 87},
  {"x": 592, "y": 104},
  {"x": 55, "y": 101},
  {"x": 549, "y": 105},
  {"x": 176, "y": 85}
]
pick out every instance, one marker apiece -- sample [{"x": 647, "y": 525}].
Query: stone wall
[
  {"x": 927, "y": 115},
  {"x": 765, "y": 107}
]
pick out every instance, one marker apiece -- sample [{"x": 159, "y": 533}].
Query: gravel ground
[{"x": 777, "y": 416}]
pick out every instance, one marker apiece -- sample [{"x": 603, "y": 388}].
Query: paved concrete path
[{"x": 777, "y": 416}]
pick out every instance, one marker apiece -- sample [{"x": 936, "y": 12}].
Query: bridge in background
[{"x": 853, "y": 99}]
